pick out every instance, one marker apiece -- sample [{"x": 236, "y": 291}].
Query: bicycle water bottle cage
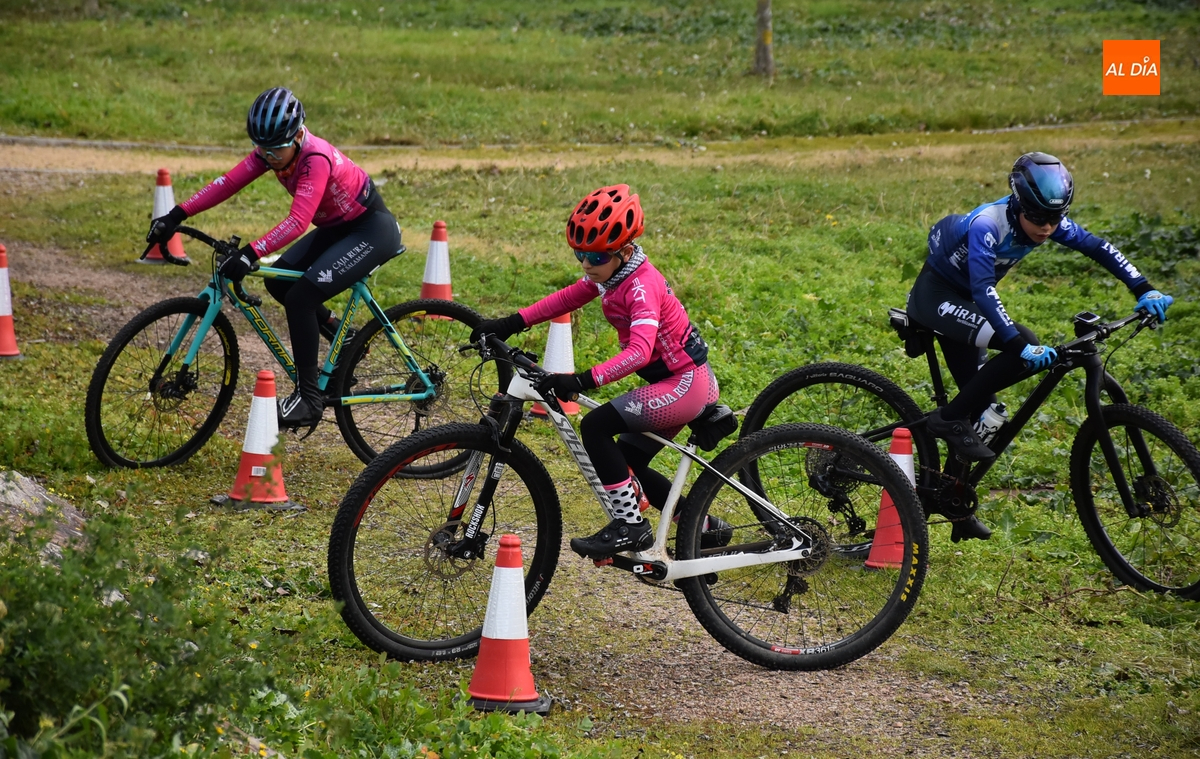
[
  {"x": 910, "y": 333},
  {"x": 715, "y": 423},
  {"x": 1085, "y": 323}
]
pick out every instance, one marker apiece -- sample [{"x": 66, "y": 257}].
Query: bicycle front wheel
[
  {"x": 840, "y": 602},
  {"x": 393, "y": 564},
  {"x": 848, "y": 396},
  {"x": 433, "y": 330},
  {"x": 1161, "y": 550},
  {"x": 145, "y": 408}
]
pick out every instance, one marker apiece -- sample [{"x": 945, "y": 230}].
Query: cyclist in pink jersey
[
  {"x": 355, "y": 232},
  {"x": 658, "y": 343}
]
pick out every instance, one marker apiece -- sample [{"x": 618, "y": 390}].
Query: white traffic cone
[
  {"x": 559, "y": 358},
  {"x": 436, "y": 281},
  {"x": 8, "y": 337},
  {"x": 164, "y": 201},
  {"x": 259, "y": 481},
  {"x": 887, "y": 547},
  {"x": 503, "y": 680}
]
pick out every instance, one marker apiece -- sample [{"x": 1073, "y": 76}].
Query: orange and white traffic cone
[
  {"x": 259, "y": 479},
  {"x": 503, "y": 680},
  {"x": 8, "y": 337},
  {"x": 436, "y": 281},
  {"x": 887, "y": 547},
  {"x": 164, "y": 201},
  {"x": 559, "y": 358}
]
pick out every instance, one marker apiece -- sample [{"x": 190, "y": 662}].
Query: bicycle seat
[
  {"x": 910, "y": 332},
  {"x": 715, "y": 423}
]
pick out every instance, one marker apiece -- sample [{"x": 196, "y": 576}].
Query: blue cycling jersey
[{"x": 974, "y": 251}]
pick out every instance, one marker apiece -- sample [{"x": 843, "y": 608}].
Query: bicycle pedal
[
  {"x": 308, "y": 431},
  {"x": 607, "y": 562}
]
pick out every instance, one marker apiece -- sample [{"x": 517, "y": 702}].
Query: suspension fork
[
  {"x": 503, "y": 418},
  {"x": 1097, "y": 380}
]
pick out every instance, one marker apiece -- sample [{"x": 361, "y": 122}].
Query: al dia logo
[{"x": 1131, "y": 67}]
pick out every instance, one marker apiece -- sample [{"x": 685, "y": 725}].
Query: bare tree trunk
[
  {"x": 91, "y": 8},
  {"x": 764, "y": 60}
]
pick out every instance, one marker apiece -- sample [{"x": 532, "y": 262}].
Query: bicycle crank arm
[{"x": 677, "y": 570}]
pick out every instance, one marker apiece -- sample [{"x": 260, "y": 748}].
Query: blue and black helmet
[
  {"x": 275, "y": 118},
  {"x": 1042, "y": 185}
]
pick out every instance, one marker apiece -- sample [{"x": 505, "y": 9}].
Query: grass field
[{"x": 785, "y": 249}]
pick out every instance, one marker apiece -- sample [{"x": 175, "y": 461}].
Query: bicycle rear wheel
[
  {"x": 848, "y": 396},
  {"x": 1159, "y": 551},
  {"x": 390, "y": 564},
  {"x": 839, "y": 603},
  {"x": 143, "y": 407},
  {"x": 433, "y": 330}
]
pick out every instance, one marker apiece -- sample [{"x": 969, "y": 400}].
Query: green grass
[
  {"x": 785, "y": 250},
  {"x": 591, "y": 71}
]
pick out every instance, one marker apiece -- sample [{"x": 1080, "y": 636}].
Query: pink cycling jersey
[
  {"x": 327, "y": 188},
  {"x": 651, "y": 322}
]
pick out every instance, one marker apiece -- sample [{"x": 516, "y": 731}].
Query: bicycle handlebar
[
  {"x": 1102, "y": 331},
  {"x": 223, "y": 249}
]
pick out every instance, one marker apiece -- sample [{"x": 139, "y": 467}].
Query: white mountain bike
[{"x": 782, "y": 584}]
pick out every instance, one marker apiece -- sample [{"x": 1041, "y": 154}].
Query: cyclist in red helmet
[{"x": 658, "y": 343}]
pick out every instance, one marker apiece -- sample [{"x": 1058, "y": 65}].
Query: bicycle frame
[
  {"x": 219, "y": 289},
  {"x": 1080, "y": 353},
  {"x": 505, "y": 414}
]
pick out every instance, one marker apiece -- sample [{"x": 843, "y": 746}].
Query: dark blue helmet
[
  {"x": 1042, "y": 185},
  {"x": 275, "y": 118}
]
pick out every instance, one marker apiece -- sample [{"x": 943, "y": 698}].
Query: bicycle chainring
[{"x": 955, "y": 499}]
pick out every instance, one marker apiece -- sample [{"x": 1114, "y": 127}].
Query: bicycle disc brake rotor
[
  {"x": 830, "y": 473},
  {"x": 416, "y": 386},
  {"x": 437, "y": 556},
  {"x": 169, "y": 394},
  {"x": 1158, "y": 493}
]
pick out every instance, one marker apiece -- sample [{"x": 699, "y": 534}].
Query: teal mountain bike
[{"x": 166, "y": 380}]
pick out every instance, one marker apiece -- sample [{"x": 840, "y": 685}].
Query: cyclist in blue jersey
[{"x": 955, "y": 295}]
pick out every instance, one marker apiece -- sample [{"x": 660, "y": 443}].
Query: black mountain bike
[{"x": 1135, "y": 477}]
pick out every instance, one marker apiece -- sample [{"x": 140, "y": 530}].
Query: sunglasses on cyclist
[
  {"x": 1053, "y": 218},
  {"x": 266, "y": 150},
  {"x": 595, "y": 259}
]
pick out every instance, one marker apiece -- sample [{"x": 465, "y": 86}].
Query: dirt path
[{"x": 38, "y": 155}]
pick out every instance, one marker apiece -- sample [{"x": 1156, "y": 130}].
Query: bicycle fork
[
  {"x": 1096, "y": 381},
  {"x": 504, "y": 416}
]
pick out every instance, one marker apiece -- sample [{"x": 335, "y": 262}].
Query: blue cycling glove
[
  {"x": 1039, "y": 357},
  {"x": 1156, "y": 304}
]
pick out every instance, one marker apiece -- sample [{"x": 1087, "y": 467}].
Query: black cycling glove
[
  {"x": 501, "y": 328},
  {"x": 565, "y": 385},
  {"x": 236, "y": 267},
  {"x": 163, "y": 228}
]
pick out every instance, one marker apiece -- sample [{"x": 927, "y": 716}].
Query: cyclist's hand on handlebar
[
  {"x": 163, "y": 228},
  {"x": 565, "y": 385},
  {"x": 1156, "y": 304},
  {"x": 1039, "y": 357},
  {"x": 237, "y": 266},
  {"x": 501, "y": 328}
]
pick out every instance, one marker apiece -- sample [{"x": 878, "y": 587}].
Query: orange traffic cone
[
  {"x": 887, "y": 547},
  {"x": 502, "y": 679},
  {"x": 259, "y": 479},
  {"x": 164, "y": 201},
  {"x": 436, "y": 282},
  {"x": 8, "y": 338},
  {"x": 560, "y": 358}
]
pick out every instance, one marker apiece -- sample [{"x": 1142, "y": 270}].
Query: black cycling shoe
[
  {"x": 968, "y": 528},
  {"x": 616, "y": 536},
  {"x": 960, "y": 435},
  {"x": 717, "y": 533},
  {"x": 304, "y": 407}
]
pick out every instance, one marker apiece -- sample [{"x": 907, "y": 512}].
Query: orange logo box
[{"x": 1131, "y": 67}]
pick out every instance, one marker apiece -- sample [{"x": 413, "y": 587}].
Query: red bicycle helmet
[{"x": 605, "y": 220}]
